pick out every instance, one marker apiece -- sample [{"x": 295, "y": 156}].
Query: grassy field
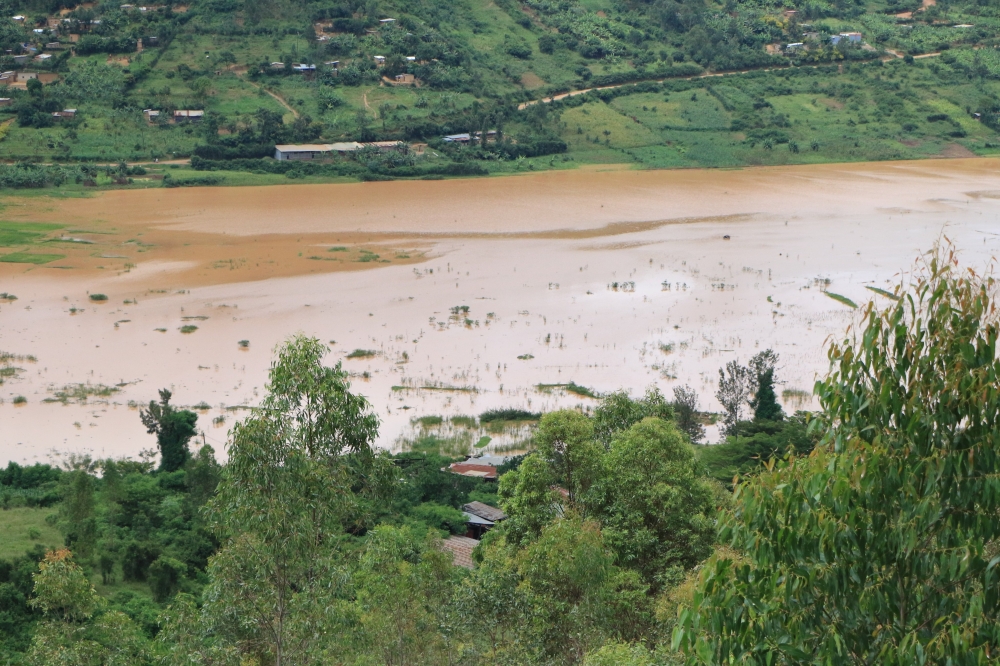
[{"x": 16, "y": 526}]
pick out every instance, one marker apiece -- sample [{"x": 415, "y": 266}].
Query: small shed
[
  {"x": 65, "y": 113},
  {"x": 480, "y": 518},
  {"x": 387, "y": 21},
  {"x": 5, "y": 101},
  {"x": 379, "y": 60},
  {"x": 404, "y": 78}
]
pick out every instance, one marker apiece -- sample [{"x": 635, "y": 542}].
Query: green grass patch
[
  {"x": 509, "y": 414},
  {"x": 20, "y": 524},
  {"x": 22, "y": 233},
  {"x": 463, "y": 421},
  {"x": 483, "y": 441},
  {"x": 188, "y": 328},
  {"x": 30, "y": 258},
  {"x": 98, "y": 298},
  {"x": 841, "y": 299},
  {"x": 79, "y": 393},
  {"x": 362, "y": 353},
  {"x": 430, "y": 421}
]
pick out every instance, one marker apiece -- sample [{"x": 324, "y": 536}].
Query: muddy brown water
[{"x": 607, "y": 278}]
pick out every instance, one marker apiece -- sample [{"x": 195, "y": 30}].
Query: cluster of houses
[
  {"x": 479, "y": 517},
  {"x": 846, "y": 37}
]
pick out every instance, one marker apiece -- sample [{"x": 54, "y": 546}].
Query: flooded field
[{"x": 449, "y": 298}]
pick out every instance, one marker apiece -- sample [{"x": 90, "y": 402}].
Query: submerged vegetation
[{"x": 799, "y": 539}]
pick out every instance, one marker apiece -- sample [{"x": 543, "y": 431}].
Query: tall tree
[
  {"x": 764, "y": 403},
  {"x": 686, "y": 413},
  {"x": 566, "y": 440},
  {"x": 173, "y": 429},
  {"x": 735, "y": 389},
  {"x": 880, "y": 546},
  {"x": 298, "y": 468}
]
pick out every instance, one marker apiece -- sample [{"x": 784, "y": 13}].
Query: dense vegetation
[
  {"x": 865, "y": 533},
  {"x": 475, "y": 65}
]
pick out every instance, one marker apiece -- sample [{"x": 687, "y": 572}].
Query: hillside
[{"x": 807, "y": 82}]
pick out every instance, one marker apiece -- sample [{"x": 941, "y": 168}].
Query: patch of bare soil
[
  {"x": 531, "y": 81},
  {"x": 955, "y": 150}
]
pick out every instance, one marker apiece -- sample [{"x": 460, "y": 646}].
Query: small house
[
  {"x": 127, "y": 8},
  {"x": 43, "y": 57},
  {"x": 850, "y": 37},
  {"x": 404, "y": 78},
  {"x": 379, "y": 60},
  {"x": 53, "y": 46},
  {"x": 794, "y": 46},
  {"x": 26, "y": 76},
  {"x": 188, "y": 115},
  {"x": 387, "y": 21},
  {"x": 20, "y": 59},
  {"x": 481, "y": 518},
  {"x": 277, "y": 65},
  {"x": 18, "y": 18},
  {"x": 5, "y": 101},
  {"x": 151, "y": 114},
  {"x": 64, "y": 114},
  {"x": 151, "y": 41},
  {"x": 411, "y": 58},
  {"x": 283, "y": 152},
  {"x": 39, "y": 31},
  {"x": 8, "y": 77},
  {"x": 303, "y": 68}
]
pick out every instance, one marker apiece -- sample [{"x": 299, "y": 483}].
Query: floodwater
[{"x": 608, "y": 279}]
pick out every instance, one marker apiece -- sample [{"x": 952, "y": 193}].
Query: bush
[
  {"x": 441, "y": 517},
  {"x": 508, "y": 415},
  {"x": 165, "y": 575}
]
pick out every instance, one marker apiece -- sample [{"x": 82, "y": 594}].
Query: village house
[
  {"x": 191, "y": 115},
  {"x": 5, "y": 101},
  {"x": 314, "y": 151},
  {"x": 851, "y": 37},
  {"x": 405, "y": 78},
  {"x": 461, "y": 550},
  {"x": 43, "y": 57},
  {"x": 794, "y": 46},
  {"x": 303, "y": 68},
  {"x": 379, "y": 60},
  {"x": 65, "y": 113},
  {"x": 151, "y": 114},
  {"x": 387, "y": 21},
  {"x": 8, "y": 77},
  {"x": 53, "y": 46},
  {"x": 481, "y": 518},
  {"x": 26, "y": 76}
]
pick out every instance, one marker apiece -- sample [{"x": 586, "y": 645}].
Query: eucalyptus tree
[
  {"x": 300, "y": 468},
  {"x": 880, "y": 547}
]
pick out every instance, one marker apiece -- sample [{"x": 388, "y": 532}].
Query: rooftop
[
  {"x": 484, "y": 511},
  {"x": 461, "y": 550},
  {"x": 480, "y": 471}
]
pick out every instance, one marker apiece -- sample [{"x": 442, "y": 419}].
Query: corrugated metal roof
[
  {"x": 476, "y": 520},
  {"x": 490, "y": 513}
]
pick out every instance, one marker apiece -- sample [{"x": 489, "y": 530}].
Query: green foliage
[
  {"x": 299, "y": 468},
  {"x": 754, "y": 444},
  {"x": 875, "y": 547},
  {"x": 618, "y": 412},
  {"x": 165, "y": 574},
  {"x": 173, "y": 429}
]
